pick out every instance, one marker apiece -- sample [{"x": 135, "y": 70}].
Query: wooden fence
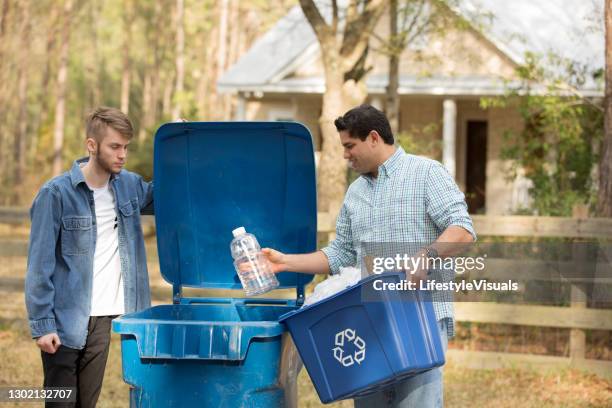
[{"x": 577, "y": 317}]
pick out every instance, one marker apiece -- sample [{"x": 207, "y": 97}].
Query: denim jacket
[{"x": 58, "y": 285}]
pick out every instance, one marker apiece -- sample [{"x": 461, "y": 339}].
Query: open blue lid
[{"x": 212, "y": 177}]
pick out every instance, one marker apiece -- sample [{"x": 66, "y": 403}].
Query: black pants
[{"x": 80, "y": 369}]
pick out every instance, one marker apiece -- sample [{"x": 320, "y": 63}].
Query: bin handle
[
  {"x": 243, "y": 301},
  {"x": 214, "y": 301},
  {"x": 237, "y": 301}
]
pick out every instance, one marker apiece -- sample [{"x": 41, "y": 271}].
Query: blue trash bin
[
  {"x": 222, "y": 352},
  {"x": 363, "y": 339}
]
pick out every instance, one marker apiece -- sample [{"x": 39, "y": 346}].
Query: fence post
[{"x": 578, "y": 297}]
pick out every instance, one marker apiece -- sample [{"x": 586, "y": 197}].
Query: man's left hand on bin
[{"x": 420, "y": 273}]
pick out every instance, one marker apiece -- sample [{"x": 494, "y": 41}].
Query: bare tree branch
[
  {"x": 351, "y": 12},
  {"x": 316, "y": 20},
  {"x": 335, "y": 16},
  {"x": 405, "y": 31},
  {"x": 424, "y": 28},
  {"x": 358, "y": 30}
]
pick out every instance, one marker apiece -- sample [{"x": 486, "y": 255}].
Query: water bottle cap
[{"x": 239, "y": 231}]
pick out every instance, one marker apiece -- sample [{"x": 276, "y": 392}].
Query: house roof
[{"x": 568, "y": 28}]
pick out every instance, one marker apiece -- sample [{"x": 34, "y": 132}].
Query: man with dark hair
[
  {"x": 360, "y": 121},
  {"x": 86, "y": 259},
  {"x": 399, "y": 198}
]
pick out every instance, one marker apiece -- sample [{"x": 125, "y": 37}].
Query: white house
[{"x": 442, "y": 79}]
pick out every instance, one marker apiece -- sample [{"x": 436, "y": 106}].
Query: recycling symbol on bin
[{"x": 348, "y": 336}]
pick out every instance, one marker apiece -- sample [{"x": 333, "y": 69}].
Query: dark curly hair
[{"x": 363, "y": 119}]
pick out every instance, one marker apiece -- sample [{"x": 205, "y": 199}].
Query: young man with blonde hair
[{"x": 86, "y": 259}]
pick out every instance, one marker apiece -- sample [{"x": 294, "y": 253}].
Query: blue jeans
[{"x": 424, "y": 390}]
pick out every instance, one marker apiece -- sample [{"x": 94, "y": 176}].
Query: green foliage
[
  {"x": 557, "y": 147},
  {"x": 140, "y": 158},
  {"x": 422, "y": 141},
  {"x": 108, "y": 39}
]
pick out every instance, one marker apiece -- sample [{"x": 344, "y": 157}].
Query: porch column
[
  {"x": 449, "y": 136},
  {"x": 240, "y": 113}
]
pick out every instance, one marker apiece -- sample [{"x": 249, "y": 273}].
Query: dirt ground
[{"x": 20, "y": 365}]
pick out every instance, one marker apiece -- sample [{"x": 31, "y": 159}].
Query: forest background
[{"x": 156, "y": 61}]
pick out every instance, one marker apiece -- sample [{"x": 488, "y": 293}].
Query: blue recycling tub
[
  {"x": 222, "y": 351},
  {"x": 361, "y": 339}
]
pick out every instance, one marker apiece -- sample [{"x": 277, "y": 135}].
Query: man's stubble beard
[{"x": 104, "y": 165}]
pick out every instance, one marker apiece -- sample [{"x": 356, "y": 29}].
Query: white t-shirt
[{"x": 107, "y": 293}]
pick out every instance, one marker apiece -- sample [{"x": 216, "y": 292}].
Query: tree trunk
[
  {"x": 153, "y": 109},
  {"x": 128, "y": 18},
  {"x": 222, "y": 45},
  {"x": 331, "y": 177},
  {"x": 60, "y": 104},
  {"x": 180, "y": 60},
  {"x": 337, "y": 99},
  {"x": 605, "y": 164},
  {"x": 146, "y": 107},
  {"x": 19, "y": 146},
  {"x": 3, "y": 17},
  {"x": 209, "y": 90},
  {"x": 221, "y": 99},
  {"x": 93, "y": 68},
  {"x": 43, "y": 114},
  {"x": 232, "y": 54},
  {"x": 392, "y": 105},
  {"x": 4, "y": 83},
  {"x": 157, "y": 56},
  {"x": 151, "y": 74},
  {"x": 203, "y": 91},
  {"x": 340, "y": 57},
  {"x": 167, "y": 96}
]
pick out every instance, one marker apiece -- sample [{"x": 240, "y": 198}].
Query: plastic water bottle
[{"x": 246, "y": 250}]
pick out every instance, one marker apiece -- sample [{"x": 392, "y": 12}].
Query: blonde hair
[{"x": 104, "y": 117}]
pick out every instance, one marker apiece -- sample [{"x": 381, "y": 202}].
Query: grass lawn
[{"x": 20, "y": 366}]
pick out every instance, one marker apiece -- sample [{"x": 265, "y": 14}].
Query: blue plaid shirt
[{"x": 413, "y": 200}]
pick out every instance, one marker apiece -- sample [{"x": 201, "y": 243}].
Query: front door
[{"x": 475, "y": 182}]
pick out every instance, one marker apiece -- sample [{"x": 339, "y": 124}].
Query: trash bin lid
[{"x": 211, "y": 177}]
